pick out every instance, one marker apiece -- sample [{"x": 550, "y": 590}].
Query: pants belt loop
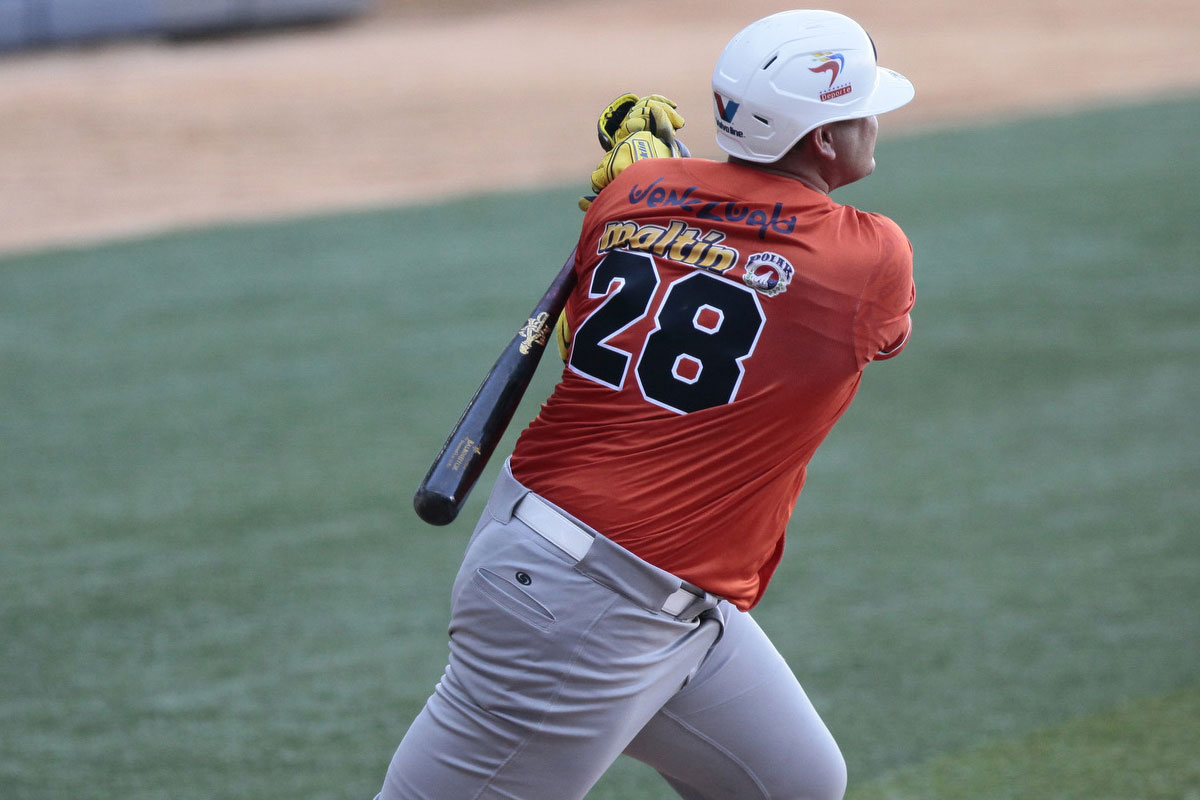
[
  {"x": 549, "y": 523},
  {"x": 553, "y": 526}
]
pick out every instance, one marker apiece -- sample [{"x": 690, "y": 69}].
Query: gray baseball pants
[{"x": 567, "y": 650}]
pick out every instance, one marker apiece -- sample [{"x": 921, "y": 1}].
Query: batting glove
[
  {"x": 631, "y": 129},
  {"x": 611, "y": 119},
  {"x": 562, "y": 336},
  {"x": 653, "y": 113},
  {"x": 630, "y": 114}
]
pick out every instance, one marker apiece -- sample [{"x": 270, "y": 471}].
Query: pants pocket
[{"x": 512, "y": 598}]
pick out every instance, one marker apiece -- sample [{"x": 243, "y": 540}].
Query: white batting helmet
[{"x": 786, "y": 74}]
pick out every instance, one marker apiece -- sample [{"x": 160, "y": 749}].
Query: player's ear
[{"x": 821, "y": 141}]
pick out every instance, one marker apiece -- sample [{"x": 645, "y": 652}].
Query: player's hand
[
  {"x": 631, "y": 129},
  {"x": 629, "y": 114},
  {"x": 611, "y": 119},
  {"x": 630, "y": 149},
  {"x": 653, "y": 113},
  {"x": 562, "y": 336}
]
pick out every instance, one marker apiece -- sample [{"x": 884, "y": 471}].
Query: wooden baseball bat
[{"x": 470, "y": 444}]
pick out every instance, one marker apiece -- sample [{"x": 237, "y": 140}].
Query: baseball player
[{"x": 722, "y": 320}]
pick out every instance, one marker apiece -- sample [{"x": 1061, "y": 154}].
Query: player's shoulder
[
  {"x": 872, "y": 221},
  {"x": 877, "y": 231},
  {"x": 870, "y": 247}
]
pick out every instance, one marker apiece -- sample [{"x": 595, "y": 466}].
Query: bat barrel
[
  {"x": 466, "y": 451},
  {"x": 472, "y": 441}
]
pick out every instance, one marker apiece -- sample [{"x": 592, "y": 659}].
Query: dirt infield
[{"x": 410, "y": 105}]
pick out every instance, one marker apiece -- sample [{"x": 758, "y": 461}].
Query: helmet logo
[
  {"x": 832, "y": 63},
  {"x": 726, "y": 109},
  {"x": 725, "y": 113}
]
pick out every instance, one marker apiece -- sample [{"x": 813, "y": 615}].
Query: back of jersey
[{"x": 721, "y": 324}]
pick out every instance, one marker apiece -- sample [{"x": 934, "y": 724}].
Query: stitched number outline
[{"x": 705, "y": 327}]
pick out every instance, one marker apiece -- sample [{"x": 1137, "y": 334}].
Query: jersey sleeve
[{"x": 883, "y": 323}]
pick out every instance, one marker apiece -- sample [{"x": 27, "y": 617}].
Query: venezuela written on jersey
[{"x": 715, "y": 344}]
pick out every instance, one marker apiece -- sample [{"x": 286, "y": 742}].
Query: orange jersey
[{"x": 715, "y": 344}]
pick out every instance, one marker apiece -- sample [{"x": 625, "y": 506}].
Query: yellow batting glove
[
  {"x": 633, "y": 128},
  {"x": 634, "y": 147},
  {"x": 629, "y": 150},
  {"x": 653, "y": 113},
  {"x": 562, "y": 336},
  {"x": 611, "y": 119}
]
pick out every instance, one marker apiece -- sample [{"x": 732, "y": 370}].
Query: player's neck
[{"x": 787, "y": 168}]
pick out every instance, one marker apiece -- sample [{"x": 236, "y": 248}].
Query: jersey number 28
[{"x": 705, "y": 327}]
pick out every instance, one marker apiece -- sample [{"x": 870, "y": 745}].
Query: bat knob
[{"x": 434, "y": 507}]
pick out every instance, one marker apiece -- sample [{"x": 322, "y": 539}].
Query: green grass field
[{"x": 214, "y": 585}]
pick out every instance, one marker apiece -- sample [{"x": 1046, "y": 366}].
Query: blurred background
[
  {"x": 256, "y": 256},
  {"x": 33, "y": 23},
  {"x": 407, "y": 100}
]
